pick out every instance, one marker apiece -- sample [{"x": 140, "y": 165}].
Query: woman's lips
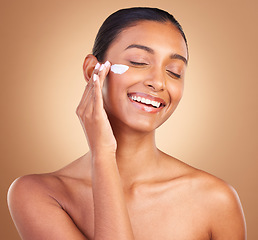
[{"x": 146, "y": 102}]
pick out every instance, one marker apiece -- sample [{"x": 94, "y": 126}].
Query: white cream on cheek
[{"x": 119, "y": 68}]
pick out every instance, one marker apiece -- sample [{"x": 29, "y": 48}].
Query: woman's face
[{"x": 156, "y": 54}]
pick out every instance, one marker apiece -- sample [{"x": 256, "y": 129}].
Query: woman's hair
[{"x": 124, "y": 18}]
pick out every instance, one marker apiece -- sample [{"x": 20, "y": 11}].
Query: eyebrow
[
  {"x": 150, "y": 50},
  {"x": 147, "y": 49},
  {"x": 178, "y": 56}
]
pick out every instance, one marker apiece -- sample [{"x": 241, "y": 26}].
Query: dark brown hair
[{"x": 125, "y": 18}]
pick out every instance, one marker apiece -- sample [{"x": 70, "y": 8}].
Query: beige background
[{"x": 43, "y": 45}]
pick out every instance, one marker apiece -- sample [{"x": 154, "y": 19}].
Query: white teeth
[
  {"x": 146, "y": 101},
  {"x": 143, "y": 100}
]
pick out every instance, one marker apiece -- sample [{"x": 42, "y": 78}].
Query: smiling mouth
[{"x": 147, "y": 100}]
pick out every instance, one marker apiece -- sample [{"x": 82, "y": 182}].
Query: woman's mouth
[{"x": 147, "y": 102}]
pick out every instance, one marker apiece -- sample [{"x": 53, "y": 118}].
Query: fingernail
[
  {"x": 107, "y": 63},
  {"x": 101, "y": 67},
  {"x": 97, "y": 66},
  {"x": 95, "y": 77}
]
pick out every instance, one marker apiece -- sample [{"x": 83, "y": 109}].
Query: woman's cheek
[
  {"x": 115, "y": 86},
  {"x": 176, "y": 90},
  {"x": 115, "y": 78}
]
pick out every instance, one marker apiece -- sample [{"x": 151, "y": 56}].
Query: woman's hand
[
  {"x": 111, "y": 218},
  {"x": 93, "y": 116}
]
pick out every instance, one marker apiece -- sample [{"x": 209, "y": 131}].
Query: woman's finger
[
  {"x": 98, "y": 101},
  {"x": 89, "y": 85},
  {"x": 87, "y": 95},
  {"x": 103, "y": 71}
]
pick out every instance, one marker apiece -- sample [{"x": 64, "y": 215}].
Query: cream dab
[{"x": 119, "y": 68}]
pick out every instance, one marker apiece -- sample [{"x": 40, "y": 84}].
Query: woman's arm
[
  {"x": 38, "y": 216},
  {"x": 110, "y": 211}
]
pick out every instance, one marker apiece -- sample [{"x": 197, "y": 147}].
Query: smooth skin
[{"x": 125, "y": 187}]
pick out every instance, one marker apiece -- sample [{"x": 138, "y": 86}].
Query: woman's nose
[{"x": 155, "y": 80}]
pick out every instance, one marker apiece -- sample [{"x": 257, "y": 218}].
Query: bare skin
[{"x": 125, "y": 187}]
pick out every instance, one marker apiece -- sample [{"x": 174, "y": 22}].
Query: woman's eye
[
  {"x": 174, "y": 75},
  {"x": 138, "y": 63}
]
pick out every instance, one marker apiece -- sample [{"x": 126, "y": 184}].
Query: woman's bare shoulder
[
  {"x": 223, "y": 206},
  {"x": 38, "y": 204},
  {"x": 211, "y": 187},
  {"x": 48, "y": 182},
  {"x": 216, "y": 200},
  {"x": 30, "y": 190},
  {"x": 205, "y": 186},
  {"x": 197, "y": 179}
]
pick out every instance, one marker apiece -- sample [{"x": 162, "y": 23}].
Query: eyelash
[
  {"x": 144, "y": 64},
  {"x": 138, "y": 63},
  {"x": 174, "y": 74}
]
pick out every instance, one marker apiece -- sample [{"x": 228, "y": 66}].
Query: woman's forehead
[{"x": 152, "y": 34}]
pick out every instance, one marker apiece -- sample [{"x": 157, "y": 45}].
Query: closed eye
[
  {"x": 138, "y": 63},
  {"x": 174, "y": 74}
]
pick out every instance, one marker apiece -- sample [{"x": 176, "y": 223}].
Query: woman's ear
[{"x": 88, "y": 66}]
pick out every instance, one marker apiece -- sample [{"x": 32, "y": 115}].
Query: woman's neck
[{"x": 137, "y": 155}]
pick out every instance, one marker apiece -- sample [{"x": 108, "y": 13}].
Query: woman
[{"x": 125, "y": 187}]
